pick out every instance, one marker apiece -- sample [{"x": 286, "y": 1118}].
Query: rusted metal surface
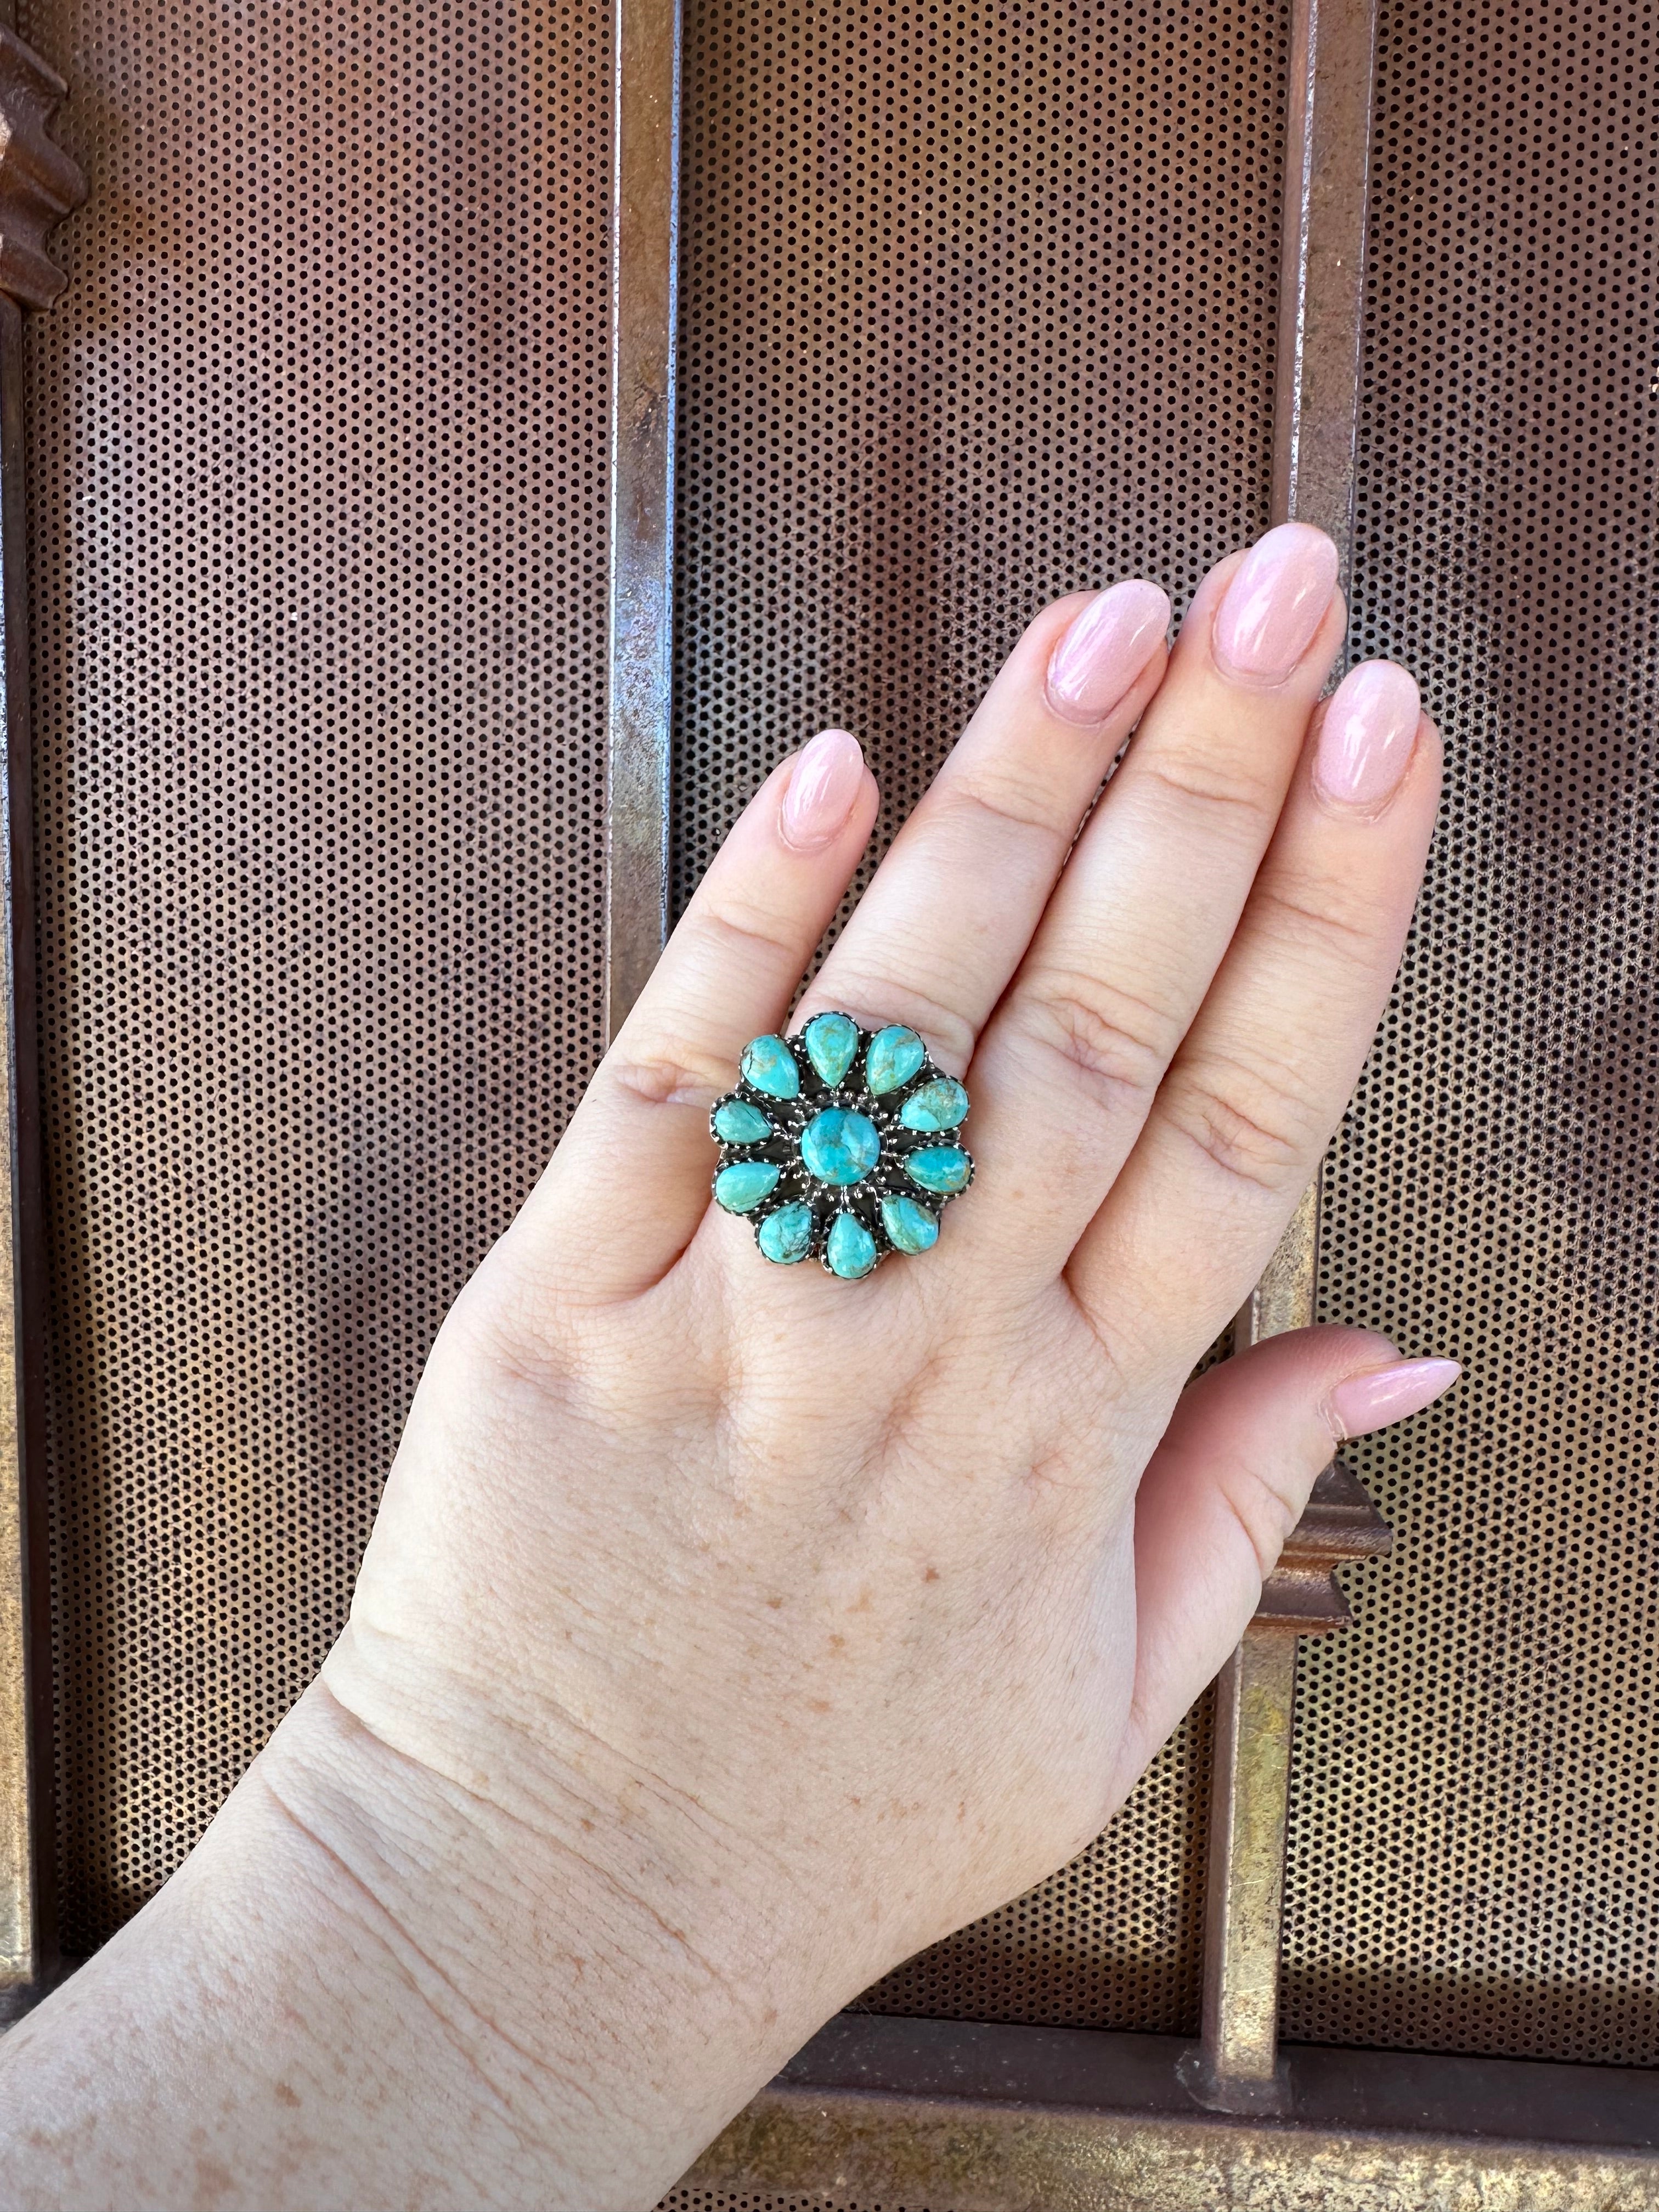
[
  {"x": 1236, "y": 2066},
  {"x": 645, "y": 218},
  {"x": 1322, "y": 288},
  {"x": 1321, "y": 302},
  {"x": 971, "y": 2118},
  {"x": 38, "y": 185}
]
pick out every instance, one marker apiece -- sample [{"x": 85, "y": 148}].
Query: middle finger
[{"x": 1072, "y": 1060}]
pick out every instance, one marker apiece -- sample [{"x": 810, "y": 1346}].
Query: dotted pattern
[
  {"x": 1474, "y": 1860},
  {"x": 978, "y": 307},
  {"x": 318, "y": 480}
]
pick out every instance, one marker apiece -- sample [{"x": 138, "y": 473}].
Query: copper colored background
[{"x": 978, "y": 305}]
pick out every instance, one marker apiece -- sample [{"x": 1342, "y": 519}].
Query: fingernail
[
  {"x": 1275, "y": 602},
  {"x": 1095, "y": 663},
  {"x": 1365, "y": 740},
  {"x": 822, "y": 788},
  {"x": 1371, "y": 1402}
]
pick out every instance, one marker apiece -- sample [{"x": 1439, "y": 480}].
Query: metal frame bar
[
  {"x": 38, "y": 185},
  {"x": 645, "y": 255},
  {"x": 976, "y": 2119}
]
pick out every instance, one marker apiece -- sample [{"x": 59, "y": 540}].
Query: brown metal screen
[
  {"x": 978, "y": 306},
  {"x": 319, "y": 558},
  {"x": 1475, "y": 1859}
]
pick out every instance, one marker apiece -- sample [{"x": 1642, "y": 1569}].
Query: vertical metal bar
[
  {"x": 645, "y": 252},
  {"x": 38, "y": 184},
  {"x": 1255, "y": 1695},
  {"x": 1321, "y": 300}
]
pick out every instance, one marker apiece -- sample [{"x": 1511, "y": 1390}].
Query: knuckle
[
  {"x": 667, "y": 1071},
  {"x": 1262, "y": 1511},
  {"x": 1194, "y": 781},
  {"x": 875, "y": 1000},
  {"x": 1254, "y": 1126},
  {"x": 1343, "y": 929},
  {"x": 1117, "y": 1043},
  {"x": 733, "y": 931}
]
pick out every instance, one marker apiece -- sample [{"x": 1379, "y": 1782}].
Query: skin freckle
[
  {"x": 932, "y": 1574},
  {"x": 818, "y": 1704},
  {"x": 284, "y": 2095}
]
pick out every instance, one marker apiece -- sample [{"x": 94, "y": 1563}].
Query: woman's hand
[{"x": 730, "y": 1632}]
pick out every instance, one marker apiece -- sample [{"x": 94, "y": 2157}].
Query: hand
[{"x": 730, "y": 1632}]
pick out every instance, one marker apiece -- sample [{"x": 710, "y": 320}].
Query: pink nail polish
[
  {"x": 822, "y": 785},
  {"x": 1364, "y": 1402},
  {"x": 1095, "y": 663},
  {"x": 1365, "y": 740},
  {"x": 1275, "y": 602}
]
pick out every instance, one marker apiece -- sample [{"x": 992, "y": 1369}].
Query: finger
[
  {"x": 629, "y": 1182},
  {"x": 1148, "y": 904},
  {"x": 952, "y": 906},
  {"x": 1248, "y": 1107},
  {"x": 1228, "y": 1484}
]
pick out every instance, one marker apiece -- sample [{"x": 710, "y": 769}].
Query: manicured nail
[
  {"x": 822, "y": 788},
  {"x": 1365, "y": 740},
  {"x": 1095, "y": 663},
  {"x": 1275, "y": 602},
  {"x": 1371, "y": 1402}
]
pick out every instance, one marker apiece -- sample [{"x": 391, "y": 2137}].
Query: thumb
[{"x": 1228, "y": 1483}]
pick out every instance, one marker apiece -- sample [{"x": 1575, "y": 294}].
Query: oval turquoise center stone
[
  {"x": 740, "y": 1187},
  {"x": 941, "y": 1168},
  {"x": 787, "y": 1236},
  {"x": 831, "y": 1040},
  {"x": 894, "y": 1054},
  {"x": 738, "y": 1122},
  {"x": 940, "y": 1104},
  {"x": 851, "y": 1250},
  {"x": 839, "y": 1147},
  {"x": 769, "y": 1065},
  {"x": 910, "y": 1227}
]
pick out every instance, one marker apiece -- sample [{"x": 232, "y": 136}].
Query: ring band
[{"x": 840, "y": 1141}]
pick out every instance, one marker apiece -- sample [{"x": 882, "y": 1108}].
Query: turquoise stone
[
  {"x": 740, "y": 1187},
  {"x": 830, "y": 1040},
  {"x": 839, "y": 1147},
  {"x": 940, "y": 1104},
  {"x": 787, "y": 1236},
  {"x": 738, "y": 1122},
  {"x": 910, "y": 1227},
  {"x": 893, "y": 1056},
  {"x": 769, "y": 1065},
  {"x": 851, "y": 1250},
  {"x": 941, "y": 1168}
]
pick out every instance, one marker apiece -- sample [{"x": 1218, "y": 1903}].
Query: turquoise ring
[{"x": 842, "y": 1142}]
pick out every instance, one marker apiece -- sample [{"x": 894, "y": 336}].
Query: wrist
[{"x": 617, "y": 1981}]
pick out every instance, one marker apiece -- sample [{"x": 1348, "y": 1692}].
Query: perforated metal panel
[
  {"x": 318, "y": 561},
  {"x": 1475, "y": 1831},
  {"x": 978, "y": 306}
]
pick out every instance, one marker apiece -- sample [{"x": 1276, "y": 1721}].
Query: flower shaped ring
[{"x": 841, "y": 1143}]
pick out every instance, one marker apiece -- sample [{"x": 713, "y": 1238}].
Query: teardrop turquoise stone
[
  {"x": 831, "y": 1040},
  {"x": 940, "y": 1104},
  {"x": 839, "y": 1147},
  {"x": 769, "y": 1065},
  {"x": 738, "y": 1122},
  {"x": 740, "y": 1187},
  {"x": 911, "y": 1227},
  {"x": 894, "y": 1054},
  {"x": 787, "y": 1236},
  {"x": 941, "y": 1168},
  {"x": 851, "y": 1250}
]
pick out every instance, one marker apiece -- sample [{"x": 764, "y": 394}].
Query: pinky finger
[{"x": 1228, "y": 1484}]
